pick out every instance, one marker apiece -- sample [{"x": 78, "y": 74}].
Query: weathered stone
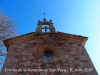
[
  {"x": 27, "y": 74},
  {"x": 76, "y": 57},
  {"x": 75, "y": 65},
  {"x": 70, "y": 62},
  {"x": 31, "y": 56},
  {"x": 23, "y": 58},
  {"x": 71, "y": 43},
  {"x": 84, "y": 58},
  {"x": 27, "y": 63},
  {"x": 20, "y": 66},
  {"x": 55, "y": 59},
  {"x": 8, "y": 60},
  {"x": 68, "y": 50},
  {"x": 66, "y": 56},
  {"x": 14, "y": 60},
  {"x": 34, "y": 43},
  {"x": 10, "y": 66},
  {"x": 73, "y": 53},
  {"x": 42, "y": 73}
]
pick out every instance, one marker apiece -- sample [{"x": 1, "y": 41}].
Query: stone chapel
[{"x": 47, "y": 52}]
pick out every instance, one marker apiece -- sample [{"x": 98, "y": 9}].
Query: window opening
[
  {"x": 47, "y": 54},
  {"x": 45, "y": 28}
]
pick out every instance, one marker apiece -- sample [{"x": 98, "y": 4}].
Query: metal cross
[{"x": 44, "y": 14}]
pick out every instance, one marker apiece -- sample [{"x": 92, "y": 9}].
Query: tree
[
  {"x": 7, "y": 30},
  {"x": 7, "y": 27}
]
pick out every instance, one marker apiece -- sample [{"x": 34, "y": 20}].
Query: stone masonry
[{"x": 69, "y": 55}]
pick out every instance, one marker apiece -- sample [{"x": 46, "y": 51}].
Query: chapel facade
[{"x": 47, "y": 52}]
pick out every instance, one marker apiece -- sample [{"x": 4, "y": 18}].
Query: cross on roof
[{"x": 44, "y": 14}]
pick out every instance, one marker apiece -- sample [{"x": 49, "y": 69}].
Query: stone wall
[{"x": 68, "y": 58}]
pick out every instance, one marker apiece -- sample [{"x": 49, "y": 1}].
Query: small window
[{"x": 47, "y": 54}]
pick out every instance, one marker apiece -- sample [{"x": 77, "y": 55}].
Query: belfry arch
[{"x": 47, "y": 25}]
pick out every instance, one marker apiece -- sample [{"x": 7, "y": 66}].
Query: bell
[{"x": 45, "y": 30}]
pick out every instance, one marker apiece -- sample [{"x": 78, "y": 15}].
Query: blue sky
[{"x": 80, "y": 17}]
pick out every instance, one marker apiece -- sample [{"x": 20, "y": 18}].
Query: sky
[{"x": 80, "y": 17}]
